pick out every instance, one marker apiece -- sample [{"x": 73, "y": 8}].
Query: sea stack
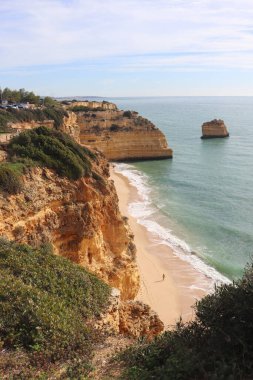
[{"x": 214, "y": 129}]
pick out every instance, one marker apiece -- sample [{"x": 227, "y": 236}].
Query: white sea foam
[{"x": 143, "y": 209}]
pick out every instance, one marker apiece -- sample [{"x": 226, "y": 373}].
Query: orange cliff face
[
  {"x": 120, "y": 135},
  {"x": 80, "y": 218}
]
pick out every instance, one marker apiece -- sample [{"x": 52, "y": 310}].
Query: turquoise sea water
[{"x": 202, "y": 200}]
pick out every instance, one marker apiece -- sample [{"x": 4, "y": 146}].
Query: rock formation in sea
[{"x": 214, "y": 129}]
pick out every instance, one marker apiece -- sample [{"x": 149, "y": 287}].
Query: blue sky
[{"x": 127, "y": 47}]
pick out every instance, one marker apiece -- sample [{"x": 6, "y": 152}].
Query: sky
[{"x": 127, "y": 47}]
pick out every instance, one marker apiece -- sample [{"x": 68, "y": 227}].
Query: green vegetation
[
  {"x": 114, "y": 127},
  {"x": 19, "y": 96},
  {"x": 27, "y": 115},
  {"x": 46, "y": 302},
  {"x": 52, "y": 149},
  {"x": 10, "y": 178},
  {"x": 85, "y": 109},
  {"x": 5, "y": 118},
  {"x": 50, "y": 102},
  {"x": 217, "y": 345},
  {"x": 127, "y": 114}
]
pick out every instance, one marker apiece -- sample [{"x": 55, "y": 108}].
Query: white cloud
[{"x": 49, "y": 32}]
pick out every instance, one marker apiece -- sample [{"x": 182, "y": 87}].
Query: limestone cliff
[
  {"x": 214, "y": 129},
  {"x": 70, "y": 126},
  {"x": 120, "y": 135},
  {"x": 80, "y": 218},
  {"x": 131, "y": 318},
  {"x": 21, "y": 126},
  {"x": 94, "y": 105}
]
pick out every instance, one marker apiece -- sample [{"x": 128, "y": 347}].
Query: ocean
[{"x": 200, "y": 202}]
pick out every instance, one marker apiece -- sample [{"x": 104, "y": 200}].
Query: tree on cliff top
[{"x": 17, "y": 96}]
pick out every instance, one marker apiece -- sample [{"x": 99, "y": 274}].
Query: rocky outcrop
[
  {"x": 131, "y": 318},
  {"x": 21, "y": 126},
  {"x": 120, "y": 135},
  {"x": 3, "y": 155},
  {"x": 70, "y": 126},
  {"x": 80, "y": 218},
  {"x": 137, "y": 319},
  {"x": 93, "y": 105},
  {"x": 213, "y": 129}
]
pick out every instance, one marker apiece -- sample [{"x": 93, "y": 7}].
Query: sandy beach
[{"x": 169, "y": 285}]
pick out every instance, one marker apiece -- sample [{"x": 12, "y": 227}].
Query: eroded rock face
[
  {"x": 24, "y": 125},
  {"x": 80, "y": 218},
  {"x": 70, "y": 126},
  {"x": 213, "y": 129},
  {"x": 137, "y": 319},
  {"x": 3, "y": 155},
  {"x": 94, "y": 105},
  {"x": 121, "y": 135},
  {"x": 131, "y": 318}
]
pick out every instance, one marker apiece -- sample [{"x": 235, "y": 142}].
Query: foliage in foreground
[
  {"x": 52, "y": 149},
  {"x": 45, "y": 304},
  {"x": 217, "y": 345}
]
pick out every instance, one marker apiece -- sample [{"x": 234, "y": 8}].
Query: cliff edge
[
  {"x": 80, "y": 218},
  {"x": 119, "y": 135}
]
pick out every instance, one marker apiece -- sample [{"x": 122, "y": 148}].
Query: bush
[
  {"x": 217, "y": 345},
  {"x": 54, "y": 150},
  {"x": 46, "y": 301},
  {"x": 9, "y": 180},
  {"x": 127, "y": 114},
  {"x": 114, "y": 128},
  {"x": 85, "y": 109},
  {"x": 27, "y": 115}
]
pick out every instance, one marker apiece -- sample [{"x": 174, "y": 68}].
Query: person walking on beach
[{"x": 163, "y": 276}]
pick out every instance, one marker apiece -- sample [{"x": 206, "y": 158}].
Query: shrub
[
  {"x": 27, "y": 115},
  {"x": 217, "y": 345},
  {"x": 127, "y": 114},
  {"x": 85, "y": 109},
  {"x": 9, "y": 180},
  {"x": 114, "y": 128},
  {"x": 45, "y": 302},
  {"x": 54, "y": 150}
]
